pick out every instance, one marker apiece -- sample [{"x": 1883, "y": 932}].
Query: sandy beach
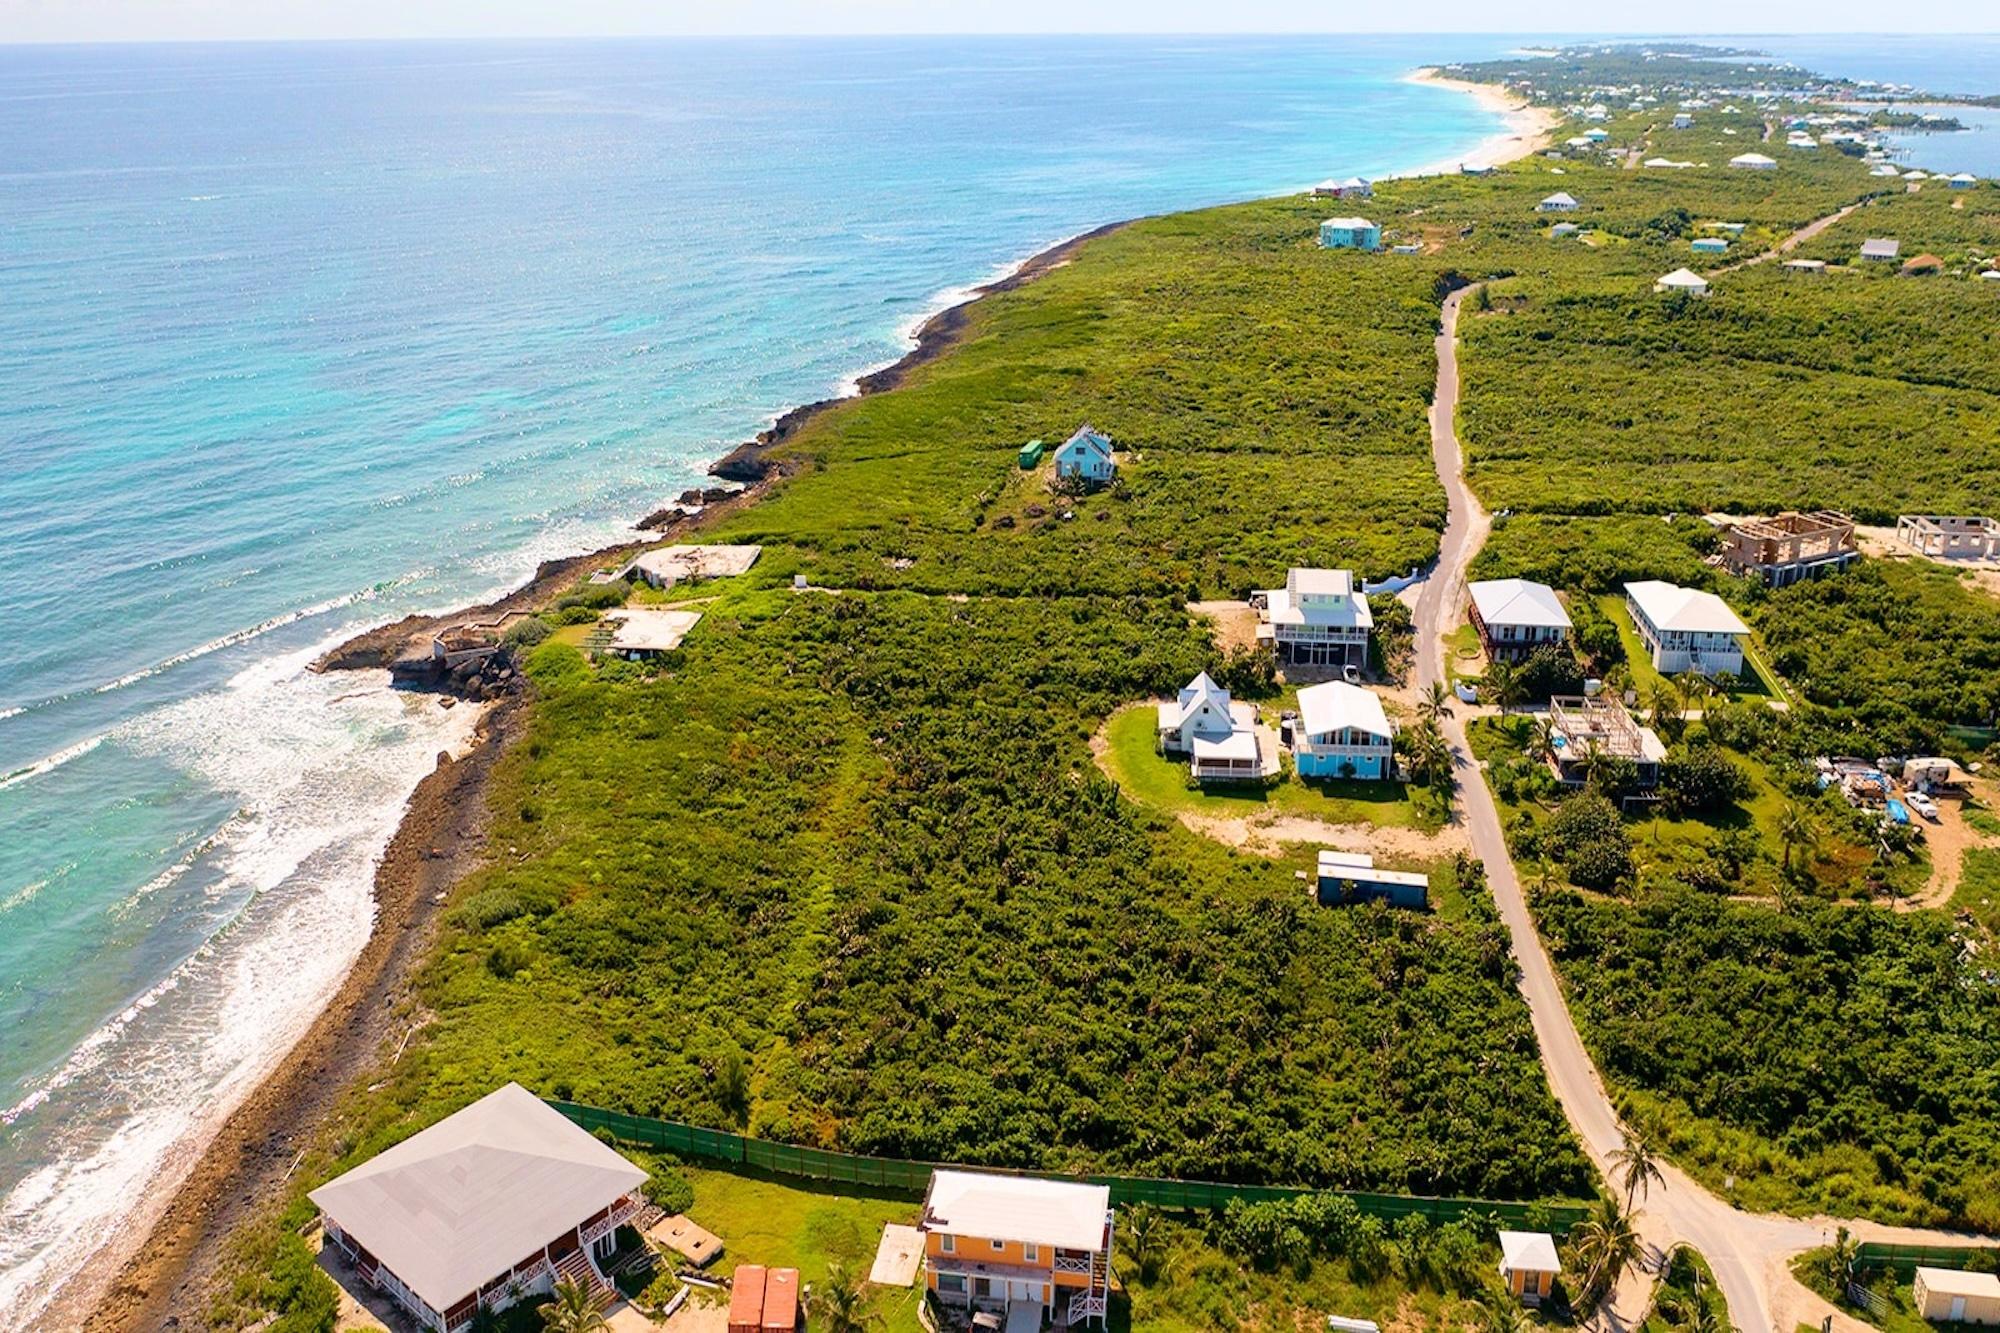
[
  {"x": 245, "y": 1166},
  {"x": 1527, "y": 130}
]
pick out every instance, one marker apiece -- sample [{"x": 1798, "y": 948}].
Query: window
[
  {"x": 1031, "y": 1253},
  {"x": 951, "y": 1282},
  {"x": 998, "y": 1245},
  {"x": 948, "y": 1243}
]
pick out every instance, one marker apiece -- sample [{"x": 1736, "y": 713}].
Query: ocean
[
  {"x": 295, "y": 339},
  {"x": 298, "y": 338}
]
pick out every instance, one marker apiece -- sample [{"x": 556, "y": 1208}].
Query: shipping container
[
  {"x": 781, "y": 1300},
  {"x": 746, "y": 1299}
]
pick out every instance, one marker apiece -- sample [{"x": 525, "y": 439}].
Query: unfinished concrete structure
[
  {"x": 1581, "y": 727},
  {"x": 1950, "y": 537},
  {"x": 1791, "y": 546}
]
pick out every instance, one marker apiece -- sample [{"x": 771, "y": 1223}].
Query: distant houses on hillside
[
  {"x": 1559, "y": 202},
  {"x": 1349, "y": 234}
]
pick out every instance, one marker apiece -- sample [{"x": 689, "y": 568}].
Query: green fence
[
  {"x": 911, "y": 1178},
  {"x": 1903, "y": 1258}
]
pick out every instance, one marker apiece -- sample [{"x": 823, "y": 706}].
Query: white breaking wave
[
  {"x": 52, "y": 762},
  {"x": 234, "y": 638},
  {"x": 322, "y": 772}
]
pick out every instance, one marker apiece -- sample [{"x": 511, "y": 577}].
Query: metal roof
[
  {"x": 1337, "y": 704},
  {"x": 1672, "y": 607},
  {"x": 1060, "y": 1213},
  {"x": 1519, "y": 602},
  {"x": 1528, "y": 1252},
  {"x": 459, "y": 1204}
]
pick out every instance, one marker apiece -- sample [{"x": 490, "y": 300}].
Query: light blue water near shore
[{"x": 296, "y": 339}]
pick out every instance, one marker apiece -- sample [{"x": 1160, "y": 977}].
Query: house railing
[
  {"x": 911, "y": 1178},
  {"x": 1072, "y": 1263},
  {"x": 610, "y": 1222}
]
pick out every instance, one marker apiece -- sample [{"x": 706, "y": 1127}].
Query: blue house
[
  {"x": 1351, "y": 877},
  {"x": 1086, "y": 455},
  {"x": 1342, "y": 732},
  {"x": 1350, "y": 234},
  {"x": 1710, "y": 245}
]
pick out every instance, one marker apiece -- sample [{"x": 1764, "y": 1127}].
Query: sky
[{"x": 212, "y": 20}]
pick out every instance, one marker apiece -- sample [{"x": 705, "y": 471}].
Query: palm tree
[
  {"x": 1142, "y": 1232},
  {"x": 1641, "y": 1169},
  {"x": 1434, "y": 702},
  {"x": 1503, "y": 682},
  {"x": 837, "y": 1305},
  {"x": 1542, "y": 737},
  {"x": 1605, "y": 1246},
  {"x": 1499, "y": 1314},
  {"x": 1796, "y": 829},
  {"x": 1840, "y": 1257},
  {"x": 1665, "y": 703},
  {"x": 571, "y": 1309}
]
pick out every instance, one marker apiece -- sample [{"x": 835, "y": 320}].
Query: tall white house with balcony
[
  {"x": 1686, "y": 629},
  {"x": 1342, "y": 732},
  {"x": 1318, "y": 618}
]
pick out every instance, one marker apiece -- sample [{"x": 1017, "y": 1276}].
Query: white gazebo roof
[
  {"x": 1519, "y": 602},
  {"x": 1337, "y": 704},
  {"x": 1528, "y": 1252},
  {"x": 1752, "y": 160},
  {"x": 457, "y": 1205},
  {"x": 1672, "y": 607},
  {"x": 1057, "y": 1213},
  {"x": 1560, "y": 199},
  {"x": 1686, "y": 279}
]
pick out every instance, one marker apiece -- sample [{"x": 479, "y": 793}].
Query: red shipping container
[
  {"x": 746, "y": 1299},
  {"x": 781, "y": 1301}
]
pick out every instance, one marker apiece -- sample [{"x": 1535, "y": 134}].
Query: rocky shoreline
[{"x": 168, "y": 1281}]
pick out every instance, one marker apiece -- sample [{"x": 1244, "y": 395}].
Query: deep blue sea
[{"x": 296, "y": 339}]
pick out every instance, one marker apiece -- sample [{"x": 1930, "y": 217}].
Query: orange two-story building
[{"x": 1038, "y": 1249}]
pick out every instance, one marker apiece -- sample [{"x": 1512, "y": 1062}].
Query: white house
[
  {"x": 1087, "y": 455},
  {"x": 1515, "y": 616},
  {"x": 1685, "y": 629},
  {"x": 491, "y": 1205},
  {"x": 1683, "y": 280},
  {"x": 1317, "y": 619},
  {"x": 1683, "y": 121},
  {"x": 1964, "y": 180},
  {"x": 1217, "y": 734},
  {"x": 1560, "y": 202},
  {"x": 1342, "y": 732},
  {"x": 1753, "y": 162},
  {"x": 1882, "y": 248}
]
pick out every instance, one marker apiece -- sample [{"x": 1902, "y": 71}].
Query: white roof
[
  {"x": 1670, "y": 606},
  {"x": 1953, "y": 1282},
  {"x": 1752, "y": 160},
  {"x": 1345, "y": 860},
  {"x": 1528, "y": 1252},
  {"x": 1682, "y": 277},
  {"x": 1201, "y": 690},
  {"x": 1353, "y": 182},
  {"x": 1240, "y": 743},
  {"x": 1805, "y": 263},
  {"x": 1519, "y": 602},
  {"x": 1560, "y": 199},
  {"x": 1302, "y": 582},
  {"x": 1059, "y": 1213},
  {"x": 1087, "y": 440},
  {"x": 1881, "y": 245},
  {"x": 1967, "y": 177},
  {"x": 651, "y": 629},
  {"x": 1347, "y": 224},
  {"x": 460, "y": 1203},
  {"x": 1337, "y": 704}
]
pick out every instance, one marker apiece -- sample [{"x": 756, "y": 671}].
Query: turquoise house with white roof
[{"x": 1350, "y": 234}]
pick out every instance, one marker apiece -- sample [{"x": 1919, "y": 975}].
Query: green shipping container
[{"x": 1031, "y": 454}]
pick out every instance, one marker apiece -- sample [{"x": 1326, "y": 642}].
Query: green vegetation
[
  {"x": 1687, "y": 1299},
  {"x": 1859, "y": 1089},
  {"x": 1893, "y": 1306}
]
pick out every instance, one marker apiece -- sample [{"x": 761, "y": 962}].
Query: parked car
[{"x": 1922, "y": 804}]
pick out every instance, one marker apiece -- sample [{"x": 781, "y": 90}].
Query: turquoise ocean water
[{"x": 296, "y": 339}]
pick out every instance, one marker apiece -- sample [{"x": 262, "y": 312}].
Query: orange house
[
  {"x": 1038, "y": 1249},
  {"x": 1528, "y": 1265}
]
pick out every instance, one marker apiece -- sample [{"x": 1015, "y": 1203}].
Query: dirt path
[
  {"x": 1749, "y": 1253},
  {"x": 1272, "y": 834},
  {"x": 1792, "y": 242}
]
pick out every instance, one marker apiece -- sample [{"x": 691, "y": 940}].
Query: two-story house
[
  {"x": 1516, "y": 616},
  {"x": 1342, "y": 732},
  {"x": 1317, "y": 619},
  {"x": 1086, "y": 456},
  {"x": 1038, "y": 1249},
  {"x": 1686, "y": 629},
  {"x": 1217, "y": 734},
  {"x": 1350, "y": 234}
]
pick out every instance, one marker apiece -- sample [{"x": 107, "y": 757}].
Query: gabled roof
[
  {"x": 1672, "y": 607},
  {"x": 1528, "y": 1252},
  {"x": 460, "y": 1203},
  {"x": 1057, "y": 1213},
  {"x": 1519, "y": 602},
  {"x": 1089, "y": 441},
  {"x": 1336, "y": 704},
  {"x": 1197, "y": 692},
  {"x": 1349, "y": 224},
  {"x": 1881, "y": 247},
  {"x": 1560, "y": 199}
]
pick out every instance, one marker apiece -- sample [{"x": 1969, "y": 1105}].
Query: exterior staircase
[{"x": 577, "y": 1267}]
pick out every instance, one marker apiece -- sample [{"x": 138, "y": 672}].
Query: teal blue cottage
[{"x": 1350, "y": 234}]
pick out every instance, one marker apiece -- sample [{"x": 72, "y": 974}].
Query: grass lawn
[
  {"x": 1892, "y": 1287},
  {"x": 1151, "y": 778},
  {"x": 764, "y": 1221},
  {"x": 1978, "y": 892},
  {"x": 1461, "y": 653},
  {"x": 1759, "y": 680}
]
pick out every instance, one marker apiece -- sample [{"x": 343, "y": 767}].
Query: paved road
[{"x": 1750, "y": 1253}]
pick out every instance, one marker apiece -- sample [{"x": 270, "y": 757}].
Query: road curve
[{"x": 1748, "y": 1252}]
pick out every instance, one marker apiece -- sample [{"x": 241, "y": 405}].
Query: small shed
[
  {"x": 1528, "y": 1265},
  {"x": 1753, "y": 162},
  {"x": 1031, "y": 454},
  {"x": 1881, "y": 248},
  {"x": 1351, "y": 877},
  {"x": 1947, "y": 1295},
  {"x": 1709, "y": 245},
  {"x": 781, "y": 1300},
  {"x": 746, "y": 1299}
]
